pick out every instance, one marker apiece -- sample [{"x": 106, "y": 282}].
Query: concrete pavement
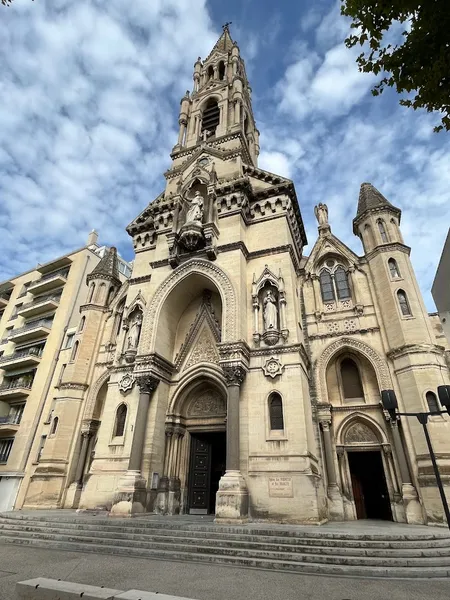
[{"x": 201, "y": 581}]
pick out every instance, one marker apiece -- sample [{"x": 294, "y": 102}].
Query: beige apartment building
[
  {"x": 40, "y": 313},
  {"x": 441, "y": 288},
  {"x": 232, "y": 374}
]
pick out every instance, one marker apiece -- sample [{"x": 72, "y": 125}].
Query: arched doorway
[
  {"x": 366, "y": 470},
  {"x": 195, "y": 454}
]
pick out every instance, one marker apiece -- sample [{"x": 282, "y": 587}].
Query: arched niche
[
  {"x": 174, "y": 296},
  {"x": 358, "y": 348},
  {"x": 341, "y": 369}
]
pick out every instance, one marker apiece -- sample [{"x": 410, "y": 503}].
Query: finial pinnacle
[{"x": 227, "y": 25}]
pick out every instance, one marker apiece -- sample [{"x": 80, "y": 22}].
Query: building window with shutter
[
  {"x": 432, "y": 401},
  {"x": 393, "y": 268}
]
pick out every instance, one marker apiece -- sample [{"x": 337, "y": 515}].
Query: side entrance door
[{"x": 200, "y": 475}]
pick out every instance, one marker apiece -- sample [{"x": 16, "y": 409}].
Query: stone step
[
  {"x": 240, "y": 532},
  {"x": 210, "y": 540},
  {"x": 255, "y": 562},
  {"x": 338, "y": 557}
]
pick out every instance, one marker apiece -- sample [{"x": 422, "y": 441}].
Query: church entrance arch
[
  {"x": 196, "y": 445},
  {"x": 365, "y": 469}
]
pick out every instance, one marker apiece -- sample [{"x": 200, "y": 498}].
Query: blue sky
[{"x": 90, "y": 97}]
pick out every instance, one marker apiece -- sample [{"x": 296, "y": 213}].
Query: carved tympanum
[{"x": 359, "y": 433}]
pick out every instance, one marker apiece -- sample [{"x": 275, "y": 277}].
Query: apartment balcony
[
  {"x": 49, "y": 281},
  {"x": 40, "y": 305},
  {"x": 29, "y": 357},
  {"x": 31, "y": 331},
  {"x": 10, "y": 423},
  {"x": 15, "y": 388}
]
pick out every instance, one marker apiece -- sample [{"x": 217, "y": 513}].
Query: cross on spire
[{"x": 227, "y": 25}]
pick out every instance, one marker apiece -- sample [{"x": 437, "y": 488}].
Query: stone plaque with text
[{"x": 280, "y": 486}]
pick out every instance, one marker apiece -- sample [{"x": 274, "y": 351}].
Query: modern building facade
[
  {"x": 441, "y": 288},
  {"x": 232, "y": 374},
  {"x": 39, "y": 319}
]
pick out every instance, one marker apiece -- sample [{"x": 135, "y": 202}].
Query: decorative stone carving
[
  {"x": 204, "y": 350},
  {"x": 359, "y": 433},
  {"x": 234, "y": 375},
  {"x": 147, "y": 383},
  {"x": 211, "y": 272},
  {"x": 207, "y": 405},
  {"x": 273, "y": 367},
  {"x": 126, "y": 383}
]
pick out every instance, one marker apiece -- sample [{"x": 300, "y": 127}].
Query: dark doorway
[
  {"x": 207, "y": 465},
  {"x": 369, "y": 485}
]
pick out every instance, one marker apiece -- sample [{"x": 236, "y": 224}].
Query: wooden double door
[
  {"x": 207, "y": 465},
  {"x": 369, "y": 485}
]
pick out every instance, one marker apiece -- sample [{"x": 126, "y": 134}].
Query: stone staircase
[{"x": 402, "y": 551}]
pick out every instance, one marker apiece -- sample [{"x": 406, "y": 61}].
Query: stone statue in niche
[
  {"x": 195, "y": 211},
  {"x": 321, "y": 212},
  {"x": 134, "y": 332},
  {"x": 270, "y": 312}
]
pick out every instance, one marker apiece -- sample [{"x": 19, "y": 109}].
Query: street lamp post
[{"x": 389, "y": 401}]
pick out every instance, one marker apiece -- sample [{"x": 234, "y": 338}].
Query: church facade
[{"x": 234, "y": 375}]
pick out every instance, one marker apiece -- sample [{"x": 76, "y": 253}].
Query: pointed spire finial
[{"x": 227, "y": 25}]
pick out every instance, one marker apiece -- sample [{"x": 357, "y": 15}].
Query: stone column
[
  {"x": 335, "y": 502},
  {"x": 413, "y": 508},
  {"x": 147, "y": 385},
  {"x": 232, "y": 497},
  {"x": 132, "y": 494},
  {"x": 182, "y": 123},
  {"x": 85, "y": 439},
  {"x": 331, "y": 471}
]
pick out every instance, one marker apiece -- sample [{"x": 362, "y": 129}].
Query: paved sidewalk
[{"x": 200, "y": 581}]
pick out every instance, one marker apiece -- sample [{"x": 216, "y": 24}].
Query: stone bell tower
[{"x": 219, "y": 109}]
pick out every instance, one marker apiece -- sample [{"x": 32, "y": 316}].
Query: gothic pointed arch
[
  {"x": 360, "y": 429},
  {"x": 380, "y": 366},
  {"x": 139, "y": 301},
  {"x": 205, "y": 271},
  {"x": 201, "y": 375},
  {"x": 93, "y": 393}
]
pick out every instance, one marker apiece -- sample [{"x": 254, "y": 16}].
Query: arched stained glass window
[
  {"x": 382, "y": 229},
  {"x": 432, "y": 401},
  {"x": 342, "y": 286},
  {"x": 121, "y": 417},
  {"x": 404, "y": 304},
  {"x": 393, "y": 268},
  {"x": 326, "y": 286},
  {"x": 276, "y": 412}
]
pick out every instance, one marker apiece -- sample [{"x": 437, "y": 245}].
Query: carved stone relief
[
  {"x": 204, "y": 350},
  {"x": 359, "y": 433},
  {"x": 207, "y": 405}
]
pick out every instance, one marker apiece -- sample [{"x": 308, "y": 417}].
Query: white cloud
[{"x": 90, "y": 94}]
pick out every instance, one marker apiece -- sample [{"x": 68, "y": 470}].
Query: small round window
[{"x": 330, "y": 263}]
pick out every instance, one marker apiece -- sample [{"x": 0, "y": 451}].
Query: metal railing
[
  {"x": 11, "y": 420},
  {"x": 32, "y": 325},
  {"x": 33, "y": 351},
  {"x": 20, "y": 382},
  {"x": 39, "y": 299},
  {"x": 58, "y": 273}
]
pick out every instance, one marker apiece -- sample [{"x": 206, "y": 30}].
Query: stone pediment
[
  {"x": 204, "y": 348},
  {"x": 201, "y": 340},
  {"x": 329, "y": 245}
]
